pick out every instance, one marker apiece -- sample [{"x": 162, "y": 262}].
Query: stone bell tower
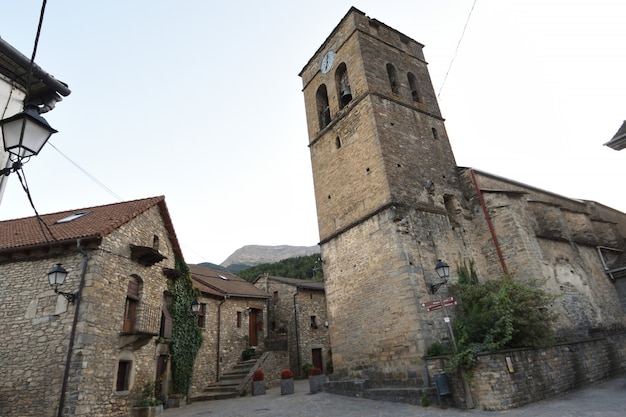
[{"x": 387, "y": 196}]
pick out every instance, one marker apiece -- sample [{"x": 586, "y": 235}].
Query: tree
[{"x": 301, "y": 267}]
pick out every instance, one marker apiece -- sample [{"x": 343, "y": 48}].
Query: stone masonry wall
[
  {"x": 36, "y": 325},
  {"x": 538, "y": 373}
]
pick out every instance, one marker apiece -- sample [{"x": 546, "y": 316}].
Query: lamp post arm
[{"x": 14, "y": 167}]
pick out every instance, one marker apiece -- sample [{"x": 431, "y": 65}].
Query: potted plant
[
  {"x": 286, "y": 382},
  {"x": 316, "y": 380},
  {"x": 148, "y": 406},
  {"x": 306, "y": 368},
  {"x": 258, "y": 382}
]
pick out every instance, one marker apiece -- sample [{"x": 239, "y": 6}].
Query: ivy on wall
[{"x": 186, "y": 335}]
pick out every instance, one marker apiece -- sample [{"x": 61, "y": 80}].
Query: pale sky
[{"x": 200, "y": 101}]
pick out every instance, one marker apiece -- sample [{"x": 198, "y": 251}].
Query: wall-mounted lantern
[{"x": 56, "y": 277}]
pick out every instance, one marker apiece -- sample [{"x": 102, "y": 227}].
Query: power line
[
  {"x": 94, "y": 179},
  {"x": 457, "y": 48}
]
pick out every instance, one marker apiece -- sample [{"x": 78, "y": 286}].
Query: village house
[
  {"x": 231, "y": 316},
  {"x": 391, "y": 202},
  {"x": 296, "y": 316},
  {"x": 88, "y": 346}
]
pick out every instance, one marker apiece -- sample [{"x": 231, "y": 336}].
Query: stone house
[
  {"x": 231, "y": 315},
  {"x": 391, "y": 201},
  {"x": 296, "y": 315},
  {"x": 87, "y": 347}
]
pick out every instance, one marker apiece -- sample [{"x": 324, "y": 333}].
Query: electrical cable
[
  {"x": 94, "y": 179},
  {"x": 457, "y": 48}
]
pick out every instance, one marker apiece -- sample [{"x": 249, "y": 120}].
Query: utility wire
[
  {"x": 457, "y": 48},
  {"x": 94, "y": 179}
]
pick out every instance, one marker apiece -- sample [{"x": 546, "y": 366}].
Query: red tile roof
[
  {"x": 224, "y": 283},
  {"x": 28, "y": 233}
]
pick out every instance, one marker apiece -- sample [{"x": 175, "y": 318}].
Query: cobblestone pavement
[{"x": 603, "y": 399}]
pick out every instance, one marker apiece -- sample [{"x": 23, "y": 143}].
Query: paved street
[{"x": 603, "y": 399}]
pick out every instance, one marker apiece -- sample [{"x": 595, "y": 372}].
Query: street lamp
[
  {"x": 443, "y": 270},
  {"x": 56, "y": 277},
  {"x": 195, "y": 306},
  {"x": 24, "y": 134}
]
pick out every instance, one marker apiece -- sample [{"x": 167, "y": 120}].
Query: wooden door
[
  {"x": 252, "y": 330},
  {"x": 316, "y": 357}
]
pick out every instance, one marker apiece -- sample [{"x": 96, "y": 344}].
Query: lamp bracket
[
  {"x": 434, "y": 287},
  {"x": 13, "y": 168},
  {"x": 68, "y": 295}
]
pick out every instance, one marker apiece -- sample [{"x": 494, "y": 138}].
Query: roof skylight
[{"x": 73, "y": 217}]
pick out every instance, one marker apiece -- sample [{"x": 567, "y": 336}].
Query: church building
[{"x": 392, "y": 202}]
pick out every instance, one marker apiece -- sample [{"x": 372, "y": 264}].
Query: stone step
[{"x": 211, "y": 396}]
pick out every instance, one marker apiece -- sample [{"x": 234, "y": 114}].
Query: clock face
[{"x": 327, "y": 62}]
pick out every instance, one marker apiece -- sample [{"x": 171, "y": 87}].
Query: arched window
[
  {"x": 343, "y": 85},
  {"x": 323, "y": 109},
  {"x": 414, "y": 87},
  {"x": 393, "y": 78}
]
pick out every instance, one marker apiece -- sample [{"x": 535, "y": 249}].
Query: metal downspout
[
  {"x": 295, "y": 313},
  {"x": 70, "y": 347},
  {"x": 219, "y": 332},
  {"x": 489, "y": 224}
]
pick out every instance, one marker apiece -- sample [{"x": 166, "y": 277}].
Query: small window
[
  {"x": 393, "y": 78},
  {"x": 123, "y": 376},
  {"x": 337, "y": 142},
  {"x": 275, "y": 296},
  {"x": 313, "y": 322},
  {"x": 239, "y": 319},
  {"x": 435, "y": 134},
  {"x": 414, "y": 87},
  {"x": 155, "y": 242}
]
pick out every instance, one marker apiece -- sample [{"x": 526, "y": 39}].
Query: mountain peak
[{"x": 252, "y": 255}]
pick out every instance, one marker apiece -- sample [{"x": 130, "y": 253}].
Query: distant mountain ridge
[{"x": 251, "y": 255}]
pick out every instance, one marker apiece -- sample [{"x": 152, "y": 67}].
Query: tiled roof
[
  {"x": 28, "y": 233},
  {"x": 300, "y": 283},
  {"x": 224, "y": 283}
]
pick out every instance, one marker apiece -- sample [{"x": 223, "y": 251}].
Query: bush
[
  {"x": 258, "y": 375},
  {"x": 247, "y": 354},
  {"x": 439, "y": 349},
  {"x": 286, "y": 374},
  {"x": 307, "y": 367},
  {"x": 498, "y": 314},
  {"x": 315, "y": 371}
]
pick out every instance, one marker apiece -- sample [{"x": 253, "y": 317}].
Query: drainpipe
[
  {"x": 295, "y": 313},
  {"x": 70, "y": 347},
  {"x": 489, "y": 224},
  {"x": 219, "y": 331}
]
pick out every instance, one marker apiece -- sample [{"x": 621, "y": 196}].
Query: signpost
[{"x": 435, "y": 305}]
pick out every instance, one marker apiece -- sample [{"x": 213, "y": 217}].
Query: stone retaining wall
[{"x": 510, "y": 379}]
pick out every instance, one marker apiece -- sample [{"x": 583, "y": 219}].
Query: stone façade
[
  {"x": 391, "y": 201},
  {"x": 37, "y": 324}
]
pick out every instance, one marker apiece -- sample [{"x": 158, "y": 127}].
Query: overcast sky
[{"x": 200, "y": 101}]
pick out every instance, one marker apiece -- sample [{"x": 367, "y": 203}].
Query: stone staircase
[{"x": 231, "y": 384}]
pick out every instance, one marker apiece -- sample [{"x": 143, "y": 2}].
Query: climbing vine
[{"x": 186, "y": 335}]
